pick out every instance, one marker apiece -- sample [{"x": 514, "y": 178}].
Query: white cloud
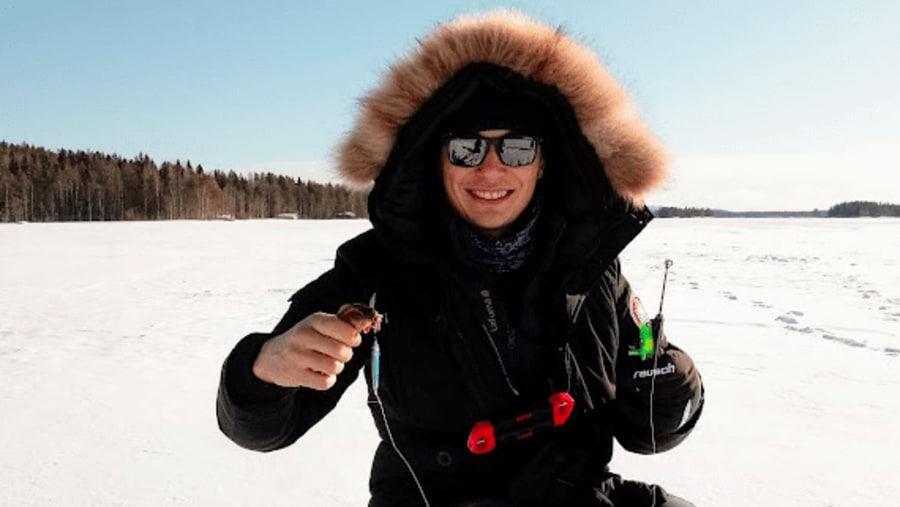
[{"x": 784, "y": 181}]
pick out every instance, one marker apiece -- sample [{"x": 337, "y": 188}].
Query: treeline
[
  {"x": 671, "y": 212},
  {"x": 816, "y": 213},
  {"x": 39, "y": 185},
  {"x": 864, "y": 209},
  {"x": 844, "y": 209}
]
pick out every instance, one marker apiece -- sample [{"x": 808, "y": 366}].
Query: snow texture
[{"x": 112, "y": 336}]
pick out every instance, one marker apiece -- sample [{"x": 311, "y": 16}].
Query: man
[{"x": 508, "y": 175}]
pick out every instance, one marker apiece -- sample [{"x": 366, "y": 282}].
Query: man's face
[{"x": 492, "y": 195}]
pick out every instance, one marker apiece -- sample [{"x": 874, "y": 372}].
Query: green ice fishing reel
[{"x": 648, "y": 342}]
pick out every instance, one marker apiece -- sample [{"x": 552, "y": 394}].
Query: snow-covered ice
[{"x": 112, "y": 336}]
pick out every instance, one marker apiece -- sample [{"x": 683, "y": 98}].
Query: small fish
[{"x": 357, "y": 311}]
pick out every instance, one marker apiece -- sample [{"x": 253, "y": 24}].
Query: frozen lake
[{"x": 112, "y": 336}]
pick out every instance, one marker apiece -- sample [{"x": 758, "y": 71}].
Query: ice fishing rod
[
  {"x": 662, "y": 297},
  {"x": 648, "y": 342}
]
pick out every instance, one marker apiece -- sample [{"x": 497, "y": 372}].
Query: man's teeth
[{"x": 490, "y": 195}]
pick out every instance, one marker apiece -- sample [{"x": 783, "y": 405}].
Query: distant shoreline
[
  {"x": 847, "y": 209},
  {"x": 763, "y": 214}
]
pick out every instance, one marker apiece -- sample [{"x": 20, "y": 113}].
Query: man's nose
[{"x": 491, "y": 160}]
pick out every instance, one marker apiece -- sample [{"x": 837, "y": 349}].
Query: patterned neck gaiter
[{"x": 510, "y": 253}]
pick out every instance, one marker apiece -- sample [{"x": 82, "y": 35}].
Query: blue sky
[{"x": 763, "y": 105}]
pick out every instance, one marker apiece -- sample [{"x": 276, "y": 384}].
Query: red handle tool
[{"x": 485, "y": 435}]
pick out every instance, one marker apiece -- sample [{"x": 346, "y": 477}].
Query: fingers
[
  {"x": 331, "y": 326},
  {"x": 313, "y": 380},
  {"x": 330, "y": 347},
  {"x": 302, "y": 358},
  {"x": 318, "y": 371},
  {"x": 322, "y": 364},
  {"x": 314, "y": 352}
]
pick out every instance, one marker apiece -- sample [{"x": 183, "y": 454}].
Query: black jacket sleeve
[
  {"x": 659, "y": 397},
  {"x": 264, "y": 417}
]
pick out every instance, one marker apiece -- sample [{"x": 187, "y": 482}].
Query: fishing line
[
  {"x": 662, "y": 297},
  {"x": 376, "y": 371},
  {"x": 375, "y": 364}
]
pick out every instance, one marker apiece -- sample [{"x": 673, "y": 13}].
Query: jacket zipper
[
  {"x": 564, "y": 347},
  {"x": 499, "y": 360},
  {"x": 482, "y": 394}
]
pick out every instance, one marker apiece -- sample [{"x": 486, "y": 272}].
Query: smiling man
[
  {"x": 509, "y": 172},
  {"x": 491, "y": 159},
  {"x": 490, "y": 178}
]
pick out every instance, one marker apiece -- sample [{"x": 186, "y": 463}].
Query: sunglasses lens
[
  {"x": 518, "y": 151},
  {"x": 466, "y": 152},
  {"x": 471, "y": 151}
]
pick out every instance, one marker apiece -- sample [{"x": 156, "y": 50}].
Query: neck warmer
[{"x": 509, "y": 253}]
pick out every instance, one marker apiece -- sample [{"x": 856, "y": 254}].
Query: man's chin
[{"x": 491, "y": 230}]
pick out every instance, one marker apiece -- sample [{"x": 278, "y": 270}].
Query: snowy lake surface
[{"x": 112, "y": 336}]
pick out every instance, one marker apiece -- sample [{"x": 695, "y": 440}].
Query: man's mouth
[{"x": 490, "y": 195}]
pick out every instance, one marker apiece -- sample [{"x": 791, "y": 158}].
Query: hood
[{"x": 628, "y": 157}]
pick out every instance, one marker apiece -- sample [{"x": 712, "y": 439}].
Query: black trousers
[
  {"x": 669, "y": 501},
  {"x": 673, "y": 501}
]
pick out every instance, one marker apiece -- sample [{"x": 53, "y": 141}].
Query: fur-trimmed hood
[{"x": 632, "y": 158}]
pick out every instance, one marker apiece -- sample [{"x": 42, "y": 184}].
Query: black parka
[{"x": 449, "y": 353}]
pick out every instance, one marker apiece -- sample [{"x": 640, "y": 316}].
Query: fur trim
[{"x": 633, "y": 158}]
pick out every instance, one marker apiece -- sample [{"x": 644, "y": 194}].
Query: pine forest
[{"x": 39, "y": 185}]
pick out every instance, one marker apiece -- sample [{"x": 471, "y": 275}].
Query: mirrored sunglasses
[{"x": 513, "y": 150}]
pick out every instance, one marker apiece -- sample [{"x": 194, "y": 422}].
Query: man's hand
[{"x": 313, "y": 352}]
